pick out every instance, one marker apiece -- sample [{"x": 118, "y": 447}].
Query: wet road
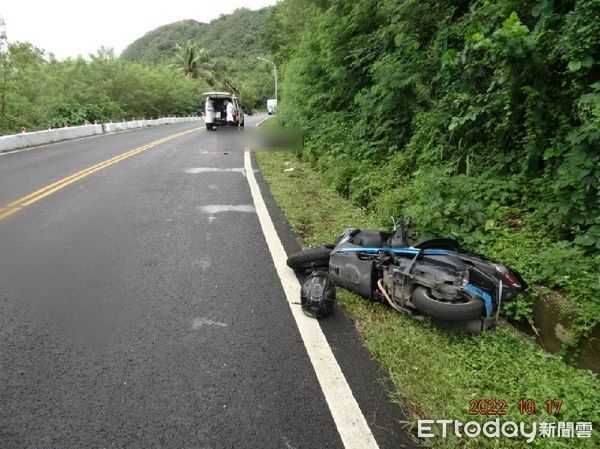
[{"x": 140, "y": 307}]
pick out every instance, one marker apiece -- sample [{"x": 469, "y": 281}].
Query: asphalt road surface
[{"x": 140, "y": 306}]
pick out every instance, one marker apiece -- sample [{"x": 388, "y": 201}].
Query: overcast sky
[{"x": 71, "y": 28}]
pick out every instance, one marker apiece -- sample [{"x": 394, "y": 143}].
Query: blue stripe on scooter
[
  {"x": 409, "y": 251},
  {"x": 487, "y": 299}
]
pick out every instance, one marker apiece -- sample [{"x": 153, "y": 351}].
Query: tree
[{"x": 194, "y": 62}]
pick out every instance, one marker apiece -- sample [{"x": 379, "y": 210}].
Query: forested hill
[
  {"x": 149, "y": 79},
  {"x": 232, "y": 41},
  {"x": 233, "y": 36}
]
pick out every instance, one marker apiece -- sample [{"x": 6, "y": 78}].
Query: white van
[
  {"x": 215, "y": 111},
  {"x": 271, "y": 106}
]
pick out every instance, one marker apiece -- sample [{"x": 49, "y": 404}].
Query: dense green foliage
[
  {"x": 480, "y": 119},
  {"x": 232, "y": 43},
  {"x": 37, "y": 91}
]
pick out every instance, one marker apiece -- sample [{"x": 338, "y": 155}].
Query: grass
[{"x": 436, "y": 372}]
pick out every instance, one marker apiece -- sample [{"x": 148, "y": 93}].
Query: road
[{"x": 140, "y": 306}]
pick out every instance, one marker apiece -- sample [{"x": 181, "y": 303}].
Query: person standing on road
[
  {"x": 229, "y": 113},
  {"x": 209, "y": 106}
]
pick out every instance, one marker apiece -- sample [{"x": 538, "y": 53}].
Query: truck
[{"x": 271, "y": 106}]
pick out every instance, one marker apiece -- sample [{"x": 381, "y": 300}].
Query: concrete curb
[{"x": 23, "y": 140}]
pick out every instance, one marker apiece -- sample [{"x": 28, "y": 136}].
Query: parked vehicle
[
  {"x": 271, "y": 106},
  {"x": 432, "y": 279},
  {"x": 215, "y": 110}
]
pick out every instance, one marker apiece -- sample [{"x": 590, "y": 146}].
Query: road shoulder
[{"x": 370, "y": 385}]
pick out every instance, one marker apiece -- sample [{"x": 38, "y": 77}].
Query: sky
[{"x": 70, "y": 28}]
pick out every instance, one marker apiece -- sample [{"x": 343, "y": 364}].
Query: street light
[
  {"x": 3, "y": 40},
  {"x": 274, "y": 74}
]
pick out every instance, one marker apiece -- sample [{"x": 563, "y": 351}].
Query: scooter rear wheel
[
  {"x": 309, "y": 258},
  {"x": 471, "y": 308}
]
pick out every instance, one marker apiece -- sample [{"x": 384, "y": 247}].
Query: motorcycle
[{"x": 431, "y": 280}]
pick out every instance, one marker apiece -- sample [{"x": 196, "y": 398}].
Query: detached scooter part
[{"x": 317, "y": 295}]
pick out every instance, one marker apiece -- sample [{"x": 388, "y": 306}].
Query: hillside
[{"x": 232, "y": 40}]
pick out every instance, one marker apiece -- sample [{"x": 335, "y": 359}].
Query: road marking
[
  {"x": 197, "y": 323},
  {"x": 198, "y": 170},
  {"x": 263, "y": 120},
  {"x": 7, "y": 213},
  {"x": 349, "y": 420},
  {"x": 54, "y": 187},
  {"x": 217, "y": 208}
]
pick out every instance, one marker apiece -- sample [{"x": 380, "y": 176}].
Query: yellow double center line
[{"x": 48, "y": 190}]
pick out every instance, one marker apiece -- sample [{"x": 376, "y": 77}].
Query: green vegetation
[
  {"x": 479, "y": 119},
  {"x": 162, "y": 73},
  {"x": 436, "y": 372},
  {"x": 37, "y": 91},
  {"x": 232, "y": 42}
]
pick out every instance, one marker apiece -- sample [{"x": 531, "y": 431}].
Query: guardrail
[{"x": 23, "y": 140}]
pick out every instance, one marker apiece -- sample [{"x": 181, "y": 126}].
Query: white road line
[
  {"x": 217, "y": 208},
  {"x": 197, "y": 323},
  {"x": 349, "y": 420},
  {"x": 198, "y": 170},
  {"x": 263, "y": 120}
]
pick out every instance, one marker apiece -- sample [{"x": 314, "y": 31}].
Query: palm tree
[{"x": 195, "y": 63}]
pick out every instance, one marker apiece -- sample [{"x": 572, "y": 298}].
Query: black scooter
[{"x": 430, "y": 280}]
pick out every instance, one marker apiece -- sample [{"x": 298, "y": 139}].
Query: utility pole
[
  {"x": 274, "y": 74},
  {"x": 3, "y": 42},
  {"x": 3, "y": 60}
]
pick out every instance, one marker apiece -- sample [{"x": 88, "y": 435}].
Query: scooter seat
[
  {"x": 438, "y": 243},
  {"x": 371, "y": 238}
]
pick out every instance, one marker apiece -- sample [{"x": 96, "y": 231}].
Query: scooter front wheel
[{"x": 469, "y": 309}]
